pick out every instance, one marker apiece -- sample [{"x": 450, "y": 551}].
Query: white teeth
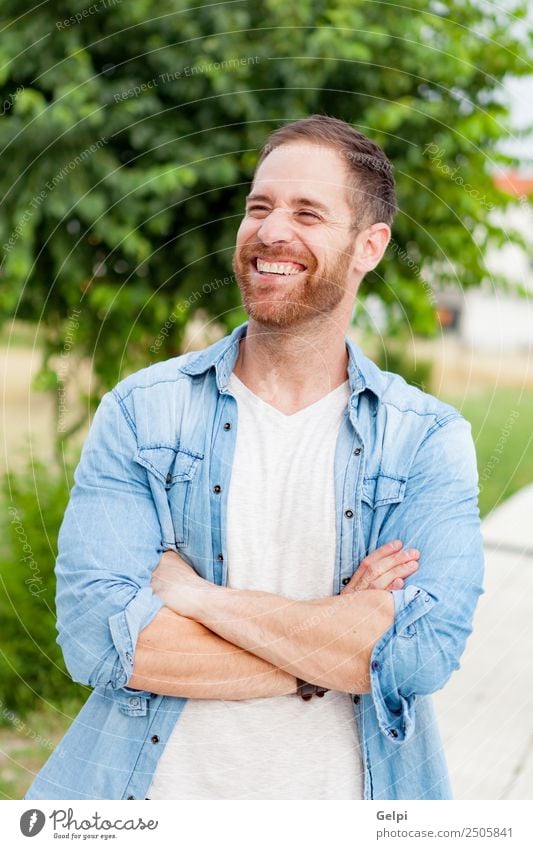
[{"x": 277, "y": 267}]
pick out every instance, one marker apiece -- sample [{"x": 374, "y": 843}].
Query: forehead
[{"x": 303, "y": 169}]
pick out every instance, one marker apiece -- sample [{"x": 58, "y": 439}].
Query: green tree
[{"x": 130, "y": 132}]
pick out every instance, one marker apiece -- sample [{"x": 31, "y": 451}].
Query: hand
[
  {"x": 177, "y": 584},
  {"x": 385, "y": 568}
]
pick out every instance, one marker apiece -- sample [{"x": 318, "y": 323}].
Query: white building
[{"x": 488, "y": 318}]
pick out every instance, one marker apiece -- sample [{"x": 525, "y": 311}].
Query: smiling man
[{"x": 272, "y": 554}]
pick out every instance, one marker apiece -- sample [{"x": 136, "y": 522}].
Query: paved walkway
[{"x": 486, "y": 709}]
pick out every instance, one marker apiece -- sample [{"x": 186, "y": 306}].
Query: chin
[{"x": 279, "y": 316}]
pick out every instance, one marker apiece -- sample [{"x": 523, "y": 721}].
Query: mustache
[{"x": 250, "y": 251}]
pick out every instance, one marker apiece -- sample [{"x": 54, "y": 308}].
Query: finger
[
  {"x": 374, "y": 568},
  {"x": 396, "y": 584},
  {"x": 383, "y": 551},
  {"x": 403, "y": 570}
]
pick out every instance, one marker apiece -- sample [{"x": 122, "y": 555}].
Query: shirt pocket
[
  {"x": 173, "y": 472},
  {"x": 380, "y": 494}
]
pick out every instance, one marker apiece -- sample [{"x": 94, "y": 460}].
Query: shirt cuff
[
  {"x": 392, "y": 662},
  {"x": 125, "y": 628}
]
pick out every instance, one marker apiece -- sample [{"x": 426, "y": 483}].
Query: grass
[
  {"x": 27, "y": 742},
  {"x": 503, "y": 433}
]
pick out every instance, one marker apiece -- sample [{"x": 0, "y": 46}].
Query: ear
[{"x": 370, "y": 245}]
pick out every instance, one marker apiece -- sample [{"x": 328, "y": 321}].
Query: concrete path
[{"x": 486, "y": 709}]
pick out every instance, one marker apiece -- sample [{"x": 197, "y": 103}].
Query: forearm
[
  {"x": 325, "y": 641},
  {"x": 176, "y": 656}
]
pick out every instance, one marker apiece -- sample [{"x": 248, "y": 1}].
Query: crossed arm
[
  {"x": 242, "y": 644},
  {"x": 116, "y": 632}
]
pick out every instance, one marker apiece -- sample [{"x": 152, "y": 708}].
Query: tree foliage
[{"x": 130, "y": 132}]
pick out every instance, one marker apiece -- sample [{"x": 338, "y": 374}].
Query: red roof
[{"x": 513, "y": 183}]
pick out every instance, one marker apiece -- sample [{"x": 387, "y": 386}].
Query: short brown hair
[{"x": 371, "y": 188}]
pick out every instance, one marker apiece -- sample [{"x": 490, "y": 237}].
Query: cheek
[
  {"x": 316, "y": 245},
  {"x": 246, "y": 231}
]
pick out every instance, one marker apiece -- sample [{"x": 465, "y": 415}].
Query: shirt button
[
  {"x": 357, "y": 451},
  {"x": 217, "y": 488},
  {"x": 134, "y": 702},
  {"x": 154, "y": 739},
  {"x": 393, "y": 732},
  {"x": 356, "y": 699},
  {"x": 227, "y": 425},
  {"x": 220, "y": 557},
  {"x": 345, "y": 580},
  {"x": 375, "y": 665},
  {"x": 168, "y": 478},
  {"x": 348, "y": 514},
  {"x": 128, "y": 657}
]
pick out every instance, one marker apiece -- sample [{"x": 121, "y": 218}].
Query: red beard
[{"x": 291, "y": 300}]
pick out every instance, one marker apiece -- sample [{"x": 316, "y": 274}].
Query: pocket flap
[
  {"x": 164, "y": 461},
  {"x": 383, "y": 489}
]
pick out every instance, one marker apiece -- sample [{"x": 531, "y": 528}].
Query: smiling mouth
[{"x": 277, "y": 268}]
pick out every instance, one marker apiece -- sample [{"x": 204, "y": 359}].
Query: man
[{"x": 272, "y": 554}]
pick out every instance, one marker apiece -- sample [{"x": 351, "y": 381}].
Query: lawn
[
  {"x": 27, "y": 742},
  {"x": 502, "y": 427}
]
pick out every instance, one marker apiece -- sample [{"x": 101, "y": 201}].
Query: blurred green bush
[
  {"x": 415, "y": 371},
  {"x": 31, "y": 662}
]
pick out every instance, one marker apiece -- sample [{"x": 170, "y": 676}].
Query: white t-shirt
[{"x": 281, "y": 539}]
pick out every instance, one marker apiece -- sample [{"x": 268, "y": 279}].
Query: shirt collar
[{"x": 222, "y": 355}]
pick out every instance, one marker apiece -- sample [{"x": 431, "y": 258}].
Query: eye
[
  {"x": 256, "y": 208},
  {"x": 307, "y": 214}
]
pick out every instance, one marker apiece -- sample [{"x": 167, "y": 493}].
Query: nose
[{"x": 276, "y": 227}]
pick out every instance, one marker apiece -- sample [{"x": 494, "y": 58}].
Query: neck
[{"x": 293, "y": 367}]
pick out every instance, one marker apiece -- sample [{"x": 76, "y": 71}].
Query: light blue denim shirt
[{"x": 160, "y": 443}]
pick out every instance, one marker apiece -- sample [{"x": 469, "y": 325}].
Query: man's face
[{"x": 297, "y": 215}]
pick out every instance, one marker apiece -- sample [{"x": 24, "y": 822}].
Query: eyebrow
[{"x": 301, "y": 201}]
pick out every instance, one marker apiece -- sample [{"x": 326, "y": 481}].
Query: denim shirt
[{"x": 154, "y": 475}]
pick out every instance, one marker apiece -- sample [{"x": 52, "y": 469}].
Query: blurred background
[{"x": 128, "y": 135}]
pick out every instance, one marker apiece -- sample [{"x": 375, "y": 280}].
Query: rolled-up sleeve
[
  {"x": 109, "y": 543},
  {"x": 439, "y": 515}
]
